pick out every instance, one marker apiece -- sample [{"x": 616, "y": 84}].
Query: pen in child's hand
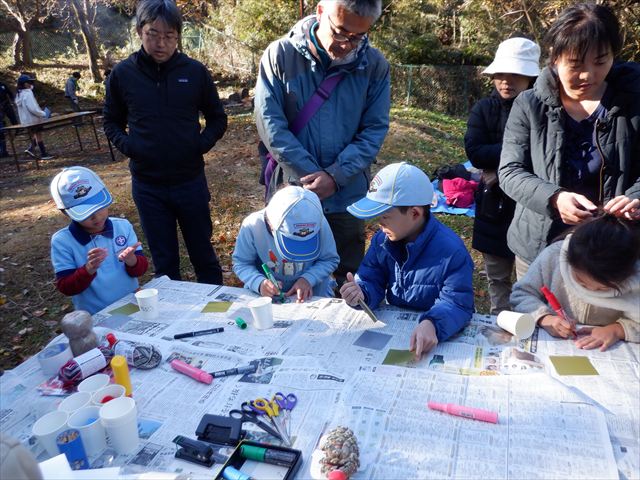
[
  {"x": 555, "y": 304},
  {"x": 269, "y": 274}
]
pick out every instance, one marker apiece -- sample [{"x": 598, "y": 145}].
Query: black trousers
[
  {"x": 164, "y": 207},
  {"x": 348, "y": 232}
]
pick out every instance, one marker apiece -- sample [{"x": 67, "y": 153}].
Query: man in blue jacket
[
  {"x": 332, "y": 153},
  {"x": 413, "y": 260},
  {"x": 159, "y": 93}
]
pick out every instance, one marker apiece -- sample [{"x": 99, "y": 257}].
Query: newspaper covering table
[{"x": 347, "y": 370}]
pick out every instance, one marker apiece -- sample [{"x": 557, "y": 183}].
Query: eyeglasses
[
  {"x": 157, "y": 37},
  {"x": 354, "y": 39}
]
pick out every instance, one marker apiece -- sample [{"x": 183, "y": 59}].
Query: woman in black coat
[{"x": 513, "y": 70}]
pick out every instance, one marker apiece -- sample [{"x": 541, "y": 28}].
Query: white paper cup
[
  {"x": 120, "y": 419},
  {"x": 47, "y": 428},
  {"x": 114, "y": 390},
  {"x": 262, "y": 312},
  {"x": 94, "y": 382},
  {"x": 87, "y": 422},
  {"x": 75, "y": 402},
  {"x": 53, "y": 357},
  {"x": 521, "y": 325},
  {"x": 148, "y": 303}
]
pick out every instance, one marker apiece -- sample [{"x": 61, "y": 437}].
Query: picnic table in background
[{"x": 75, "y": 119}]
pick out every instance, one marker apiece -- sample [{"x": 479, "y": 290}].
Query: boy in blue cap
[
  {"x": 413, "y": 260},
  {"x": 292, "y": 236},
  {"x": 97, "y": 258}
]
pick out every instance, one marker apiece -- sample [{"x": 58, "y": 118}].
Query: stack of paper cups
[
  {"x": 120, "y": 419},
  {"x": 87, "y": 422}
]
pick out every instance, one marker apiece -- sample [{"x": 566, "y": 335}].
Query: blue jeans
[{"x": 161, "y": 207}]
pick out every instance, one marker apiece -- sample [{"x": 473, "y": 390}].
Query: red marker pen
[{"x": 555, "y": 304}]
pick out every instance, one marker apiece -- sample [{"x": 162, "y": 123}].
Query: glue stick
[{"x": 121, "y": 373}]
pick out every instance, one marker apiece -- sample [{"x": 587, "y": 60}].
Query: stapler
[{"x": 194, "y": 451}]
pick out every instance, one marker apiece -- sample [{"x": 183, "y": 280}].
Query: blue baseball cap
[
  {"x": 79, "y": 192},
  {"x": 396, "y": 185},
  {"x": 295, "y": 216},
  {"x": 24, "y": 78}
]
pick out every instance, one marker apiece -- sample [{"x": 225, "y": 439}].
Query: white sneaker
[
  {"x": 46, "y": 157},
  {"x": 29, "y": 152}
]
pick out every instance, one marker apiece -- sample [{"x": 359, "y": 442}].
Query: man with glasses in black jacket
[{"x": 158, "y": 93}]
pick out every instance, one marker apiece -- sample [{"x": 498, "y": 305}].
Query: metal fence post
[{"x": 409, "y": 84}]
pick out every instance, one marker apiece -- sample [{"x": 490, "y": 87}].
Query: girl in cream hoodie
[
  {"x": 30, "y": 112},
  {"x": 595, "y": 274}
]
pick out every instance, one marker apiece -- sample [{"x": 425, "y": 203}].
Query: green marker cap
[
  {"x": 253, "y": 453},
  {"x": 241, "y": 323}
]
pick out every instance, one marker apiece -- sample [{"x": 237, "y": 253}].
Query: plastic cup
[
  {"x": 87, "y": 422},
  {"x": 148, "y": 303},
  {"x": 262, "y": 312},
  {"x": 47, "y": 428},
  {"x": 94, "y": 382},
  {"x": 114, "y": 391},
  {"x": 521, "y": 325},
  {"x": 75, "y": 402},
  {"x": 119, "y": 418}
]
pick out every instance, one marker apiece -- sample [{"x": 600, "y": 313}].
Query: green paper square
[
  {"x": 573, "y": 365},
  {"x": 216, "y": 307},
  {"x": 126, "y": 309},
  {"x": 399, "y": 357}
]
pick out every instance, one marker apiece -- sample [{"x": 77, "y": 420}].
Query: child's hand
[
  {"x": 302, "y": 289},
  {"x": 351, "y": 291},
  {"x": 602, "y": 337},
  {"x": 128, "y": 255},
  {"x": 95, "y": 257},
  {"x": 556, "y": 326},
  {"x": 268, "y": 289},
  {"x": 423, "y": 338}
]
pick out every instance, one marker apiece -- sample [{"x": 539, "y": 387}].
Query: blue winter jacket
[
  {"x": 435, "y": 278},
  {"x": 345, "y": 134}
]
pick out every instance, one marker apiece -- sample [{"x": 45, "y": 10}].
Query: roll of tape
[{"x": 53, "y": 357}]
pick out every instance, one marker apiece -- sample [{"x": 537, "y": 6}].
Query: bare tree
[
  {"x": 85, "y": 14},
  {"x": 25, "y": 15}
]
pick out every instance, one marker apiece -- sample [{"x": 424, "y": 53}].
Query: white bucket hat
[{"x": 516, "y": 55}]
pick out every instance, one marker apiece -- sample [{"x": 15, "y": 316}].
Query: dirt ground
[{"x": 31, "y": 307}]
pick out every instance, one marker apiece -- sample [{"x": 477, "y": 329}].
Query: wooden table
[{"x": 70, "y": 119}]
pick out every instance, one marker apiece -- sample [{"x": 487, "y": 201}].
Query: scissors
[
  {"x": 286, "y": 403},
  {"x": 272, "y": 410},
  {"x": 248, "y": 413}
]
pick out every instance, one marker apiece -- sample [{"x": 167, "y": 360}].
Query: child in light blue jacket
[{"x": 294, "y": 239}]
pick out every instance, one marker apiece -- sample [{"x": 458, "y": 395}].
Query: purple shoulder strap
[{"x": 315, "y": 102}]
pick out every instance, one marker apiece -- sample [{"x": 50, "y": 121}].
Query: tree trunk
[
  {"x": 17, "y": 50},
  {"x": 27, "y": 53},
  {"x": 89, "y": 37}
]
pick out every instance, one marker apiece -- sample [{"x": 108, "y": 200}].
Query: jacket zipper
[{"x": 601, "y": 185}]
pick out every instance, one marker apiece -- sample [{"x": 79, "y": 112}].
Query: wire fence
[{"x": 451, "y": 90}]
